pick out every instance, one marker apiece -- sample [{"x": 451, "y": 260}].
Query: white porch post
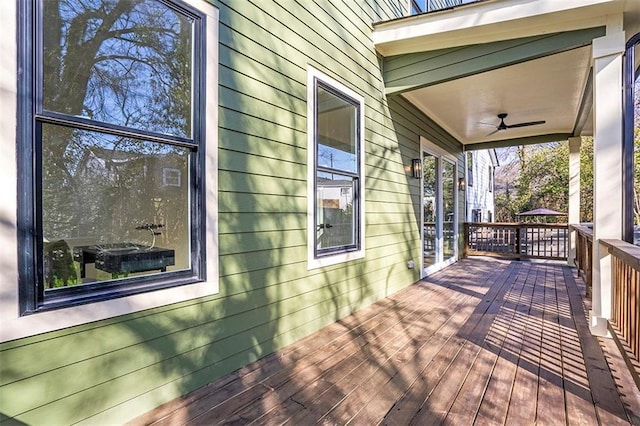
[
  {"x": 607, "y": 172},
  {"x": 574, "y": 194}
]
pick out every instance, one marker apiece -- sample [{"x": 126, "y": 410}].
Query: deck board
[
  {"x": 466, "y": 407},
  {"x": 523, "y": 400},
  {"x": 483, "y": 342},
  {"x": 550, "y": 391},
  {"x": 505, "y": 340}
]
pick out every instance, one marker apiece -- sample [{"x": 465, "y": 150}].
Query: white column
[
  {"x": 607, "y": 168},
  {"x": 574, "y": 194}
]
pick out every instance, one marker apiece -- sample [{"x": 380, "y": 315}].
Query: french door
[{"x": 439, "y": 209}]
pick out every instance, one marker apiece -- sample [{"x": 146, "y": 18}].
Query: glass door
[
  {"x": 439, "y": 217},
  {"x": 448, "y": 211},
  {"x": 429, "y": 208}
]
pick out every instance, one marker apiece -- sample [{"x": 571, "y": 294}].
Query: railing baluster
[{"x": 632, "y": 315}]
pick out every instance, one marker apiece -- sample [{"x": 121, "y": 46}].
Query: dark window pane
[
  {"x": 124, "y": 62},
  {"x": 335, "y": 214},
  {"x": 448, "y": 209},
  {"x": 429, "y": 173},
  {"x": 110, "y": 209},
  {"x": 469, "y": 169},
  {"x": 337, "y": 122},
  {"x": 490, "y": 179},
  {"x": 430, "y": 170}
]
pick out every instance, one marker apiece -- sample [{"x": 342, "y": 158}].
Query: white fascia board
[
  {"x": 490, "y": 21},
  {"x": 612, "y": 44}
]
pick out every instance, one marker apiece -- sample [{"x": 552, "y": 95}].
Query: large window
[
  {"x": 336, "y": 164},
  {"x": 113, "y": 131}
]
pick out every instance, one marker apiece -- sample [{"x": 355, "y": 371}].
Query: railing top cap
[{"x": 518, "y": 224}]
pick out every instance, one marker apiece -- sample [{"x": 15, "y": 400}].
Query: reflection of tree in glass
[
  {"x": 429, "y": 175},
  {"x": 124, "y": 63},
  {"x": 109, "y": 185},
  {"x": 120, "y": 62},
  {"x": 429, "y": 186},
  {"x": 448, "y": 193}
]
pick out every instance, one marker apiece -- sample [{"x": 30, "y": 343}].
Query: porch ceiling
[
  {"x": 551, "y": 84},
  {"x": 550, "y": 89}
]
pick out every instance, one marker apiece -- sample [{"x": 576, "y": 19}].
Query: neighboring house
[
  {"x": 481, "y": 165},
  {"x": 312, "y": 152}
]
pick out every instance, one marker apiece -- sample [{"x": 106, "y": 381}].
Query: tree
[
  {"x": 586, "y": 180},
  {"x": 542, "y": 180}
]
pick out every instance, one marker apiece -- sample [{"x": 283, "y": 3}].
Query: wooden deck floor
[{"x": 483, "y": 342}]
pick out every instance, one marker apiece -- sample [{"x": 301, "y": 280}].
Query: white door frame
[{"x": 441, "y": 156}]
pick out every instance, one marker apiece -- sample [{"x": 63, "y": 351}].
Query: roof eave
[{"x": 490, "y": 21}]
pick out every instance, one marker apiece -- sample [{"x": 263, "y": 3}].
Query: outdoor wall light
[
  {"x": 460, "y": 184},
  {"x": 416, "y": 168}
]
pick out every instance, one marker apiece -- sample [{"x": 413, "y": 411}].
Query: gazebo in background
[{"x": 540, "y": 215}]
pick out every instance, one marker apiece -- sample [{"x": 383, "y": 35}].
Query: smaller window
[
  {"x": 476, "y": 215},
  {"x": 469, "y": 169},
  {"x": 336, "y": 175}
]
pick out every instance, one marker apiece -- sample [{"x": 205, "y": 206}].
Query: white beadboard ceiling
[{"x": 549, "y": 88}]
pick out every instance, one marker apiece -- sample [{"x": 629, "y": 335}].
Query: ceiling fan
[{"x": 504, "y": 126}]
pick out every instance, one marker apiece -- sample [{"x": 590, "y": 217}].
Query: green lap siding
[{"x": 113, "y": 370}]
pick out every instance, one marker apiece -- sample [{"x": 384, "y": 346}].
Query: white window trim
[
  {"x": 13, "y": 326},
  {"x": 328, "y": 260}
]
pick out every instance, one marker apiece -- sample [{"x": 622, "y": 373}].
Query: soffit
[{"x": 550, "y": 88}]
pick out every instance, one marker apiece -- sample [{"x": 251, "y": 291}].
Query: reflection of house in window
[
  {"x": 336, "y": 194},
  {"x": 171, "y": 177},
  {"x": 331, "y": 204},
  {"x": 104, "y": 163},
  {"x": 120, "y": 190}
]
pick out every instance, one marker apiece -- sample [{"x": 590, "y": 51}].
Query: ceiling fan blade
[
  {"x": 486, "y": 124},
  {"x": 493, "y": 133},
  {"x": 529, "y": 123}
]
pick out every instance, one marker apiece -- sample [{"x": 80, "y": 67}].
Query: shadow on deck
[{"x": 484, "y": 341}]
